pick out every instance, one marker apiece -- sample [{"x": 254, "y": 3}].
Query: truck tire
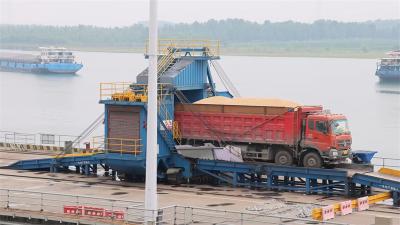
[
  {"x": 284, "y": 158},
  {"x": 312, "y": 160}
]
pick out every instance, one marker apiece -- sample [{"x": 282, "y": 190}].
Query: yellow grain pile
[{"x": 272, "y": 102}]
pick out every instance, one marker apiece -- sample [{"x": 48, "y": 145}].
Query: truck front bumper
[{"x": 335, "y": 156}]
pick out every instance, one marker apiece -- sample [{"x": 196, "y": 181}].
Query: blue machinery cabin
[{"x": 184, "y": 76}]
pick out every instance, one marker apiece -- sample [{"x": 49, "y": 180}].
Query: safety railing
[
  {"x": 122, "y": 91},
  {"x": 117, "y": 145},
  {"x": 127, "y": 91},
  {"x": 167, "y": 126},
  {"x": 193, "y": 47},
  {"x": 35, "y": 138},
  {"x": 37, "y": 141},
  {"x": 60, "y": 204},
  {"x": 178, "y": 214},
  {"x": 164, "y": 62},
  {"x": 387, "y": 162},
  {"x": 133, "y": 211},
  {"x": 164, "y": 113},
  {"x": 176, "y": 132}
]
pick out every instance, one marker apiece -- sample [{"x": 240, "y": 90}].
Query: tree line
[{"x": 229, "y": 31}]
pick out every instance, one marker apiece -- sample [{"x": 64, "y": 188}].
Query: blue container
[{"x": 363, "y": 156}]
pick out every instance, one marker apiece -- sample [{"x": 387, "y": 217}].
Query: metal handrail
[
  {"x": 128, "y": 91},
  {"x": 12, "y": 137},
  {"x": 117, "y": 145},
  {"x": 384, "y": 162},
  {"x": 209, "y": 47},
  {"x": 164, "y": 62},
  {"x": 68, "y": 195},
  {"x": 134, "y": 211}
]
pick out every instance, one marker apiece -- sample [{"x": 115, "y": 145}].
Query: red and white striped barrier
[
  {"x": 93, "y": 211},
  {"x": 345, "y": 207},
  {"x": 328, "y": 212},
  {"x": 362, "y": 203},
  {"x": 119, "y": 215}
]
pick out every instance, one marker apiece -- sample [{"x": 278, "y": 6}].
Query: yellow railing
[
  {"x": 164, "y": 62},
  {"x": 389, "y": 171},
  {"x": 176, "y": 132},
  {"x": 211, "y": 47},
  {"x": 117, "y": 145},
  {"x": 126, "y": 91}
]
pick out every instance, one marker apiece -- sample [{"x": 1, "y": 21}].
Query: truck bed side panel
[{"x": 237, "y": 127}]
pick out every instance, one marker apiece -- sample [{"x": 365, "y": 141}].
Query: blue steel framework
[
  {"x": 256, "y": 175},
  {"x": 308, "y": 180},
  {"x": 192, "y": 82}
]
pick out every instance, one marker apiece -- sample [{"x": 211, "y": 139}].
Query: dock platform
[
  {"x": 210, "y": 197},
  {"x": 346, "y": 181}
]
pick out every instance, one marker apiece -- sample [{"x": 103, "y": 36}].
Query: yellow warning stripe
[
  {"x": 317, "y": 212},
  {"x": 389, "y": 171},
  {"x": 75, "y": 155}
]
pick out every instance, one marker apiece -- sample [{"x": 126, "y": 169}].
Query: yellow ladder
[{"x": 165, "y": 62}]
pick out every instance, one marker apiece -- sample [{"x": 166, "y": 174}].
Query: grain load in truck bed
[
  {"x": 272, "y": 102},
  {"x": 252, "y": 106}
]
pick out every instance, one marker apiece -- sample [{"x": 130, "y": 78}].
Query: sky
[{"x": 110, "y": 13}]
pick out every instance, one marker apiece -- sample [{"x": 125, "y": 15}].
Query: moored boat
[
  {"x": 389, "y": 68},
  {"x": 51, "y": 60}
]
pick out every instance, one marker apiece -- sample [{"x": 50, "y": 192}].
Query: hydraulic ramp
[
  {"x": 309, "y": 180},
  {"x": 87, "y": 161}
]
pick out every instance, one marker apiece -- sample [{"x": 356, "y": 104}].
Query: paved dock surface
[{"x": 215, "y": 197}]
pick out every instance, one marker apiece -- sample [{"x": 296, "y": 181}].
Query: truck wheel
[
  {"x": 283, "y": 158},
  {"x": 312, "y": 159}
]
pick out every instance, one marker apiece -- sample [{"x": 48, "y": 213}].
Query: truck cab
[{"x": 326, "y": 136}]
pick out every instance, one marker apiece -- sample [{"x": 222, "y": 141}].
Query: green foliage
[{"x": 325, "y": 35}]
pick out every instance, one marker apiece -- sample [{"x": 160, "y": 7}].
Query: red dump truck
[{"x": 267, "y": 130}]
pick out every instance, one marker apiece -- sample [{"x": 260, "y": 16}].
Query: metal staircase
[
  {"x": 166, "y": 124},
  {"x": 165, "y": 62},
  {"x": 166, "y": 128}
]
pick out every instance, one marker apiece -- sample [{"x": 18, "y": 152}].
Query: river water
[{"x": 67, "y": 104}]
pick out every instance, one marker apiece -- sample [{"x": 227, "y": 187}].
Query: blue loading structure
[{"x": 185, "y": 76}]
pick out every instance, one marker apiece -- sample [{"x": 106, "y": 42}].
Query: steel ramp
[
  {"x": 58, "y": 161},
  {"x": 272, "y": 176},
  {"x": 354, "y": 180},
  {"x": 386, "y": 179},
  {"x": 378, "y": 180}
]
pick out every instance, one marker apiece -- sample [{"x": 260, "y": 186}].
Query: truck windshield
[{"x": 339, "y": 127}]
